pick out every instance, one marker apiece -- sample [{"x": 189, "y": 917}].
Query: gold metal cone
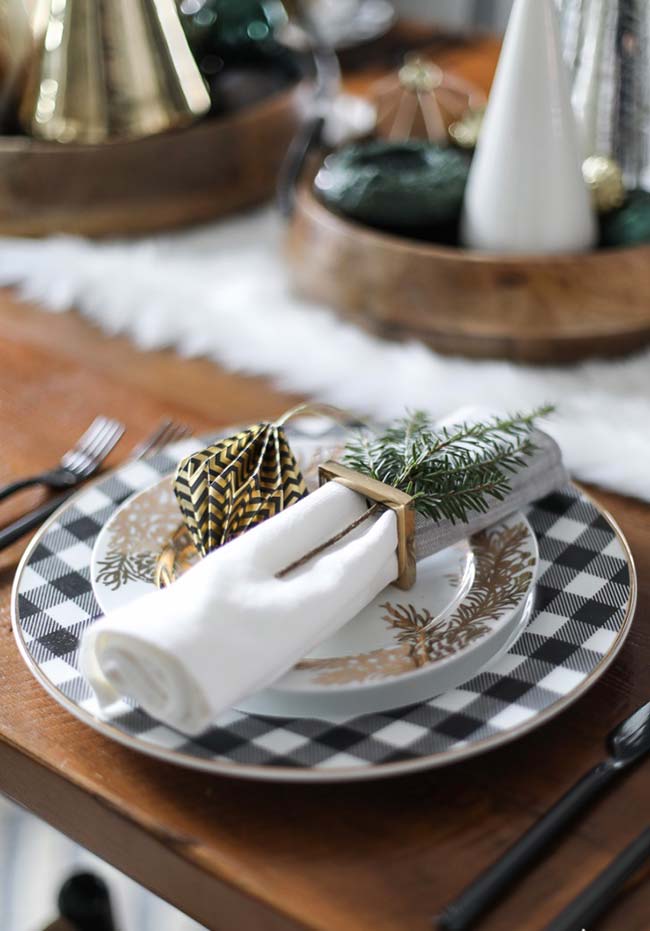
[
  {"x": 15, "y": 49},
  {"x": 110, "y": 69}
]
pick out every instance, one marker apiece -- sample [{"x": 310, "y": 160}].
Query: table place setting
[
  {"x": 370, "y": 559},
  {"x": 269, "y": 627}
]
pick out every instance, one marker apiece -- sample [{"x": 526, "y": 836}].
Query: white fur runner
[{"x": 221, "y": 291}]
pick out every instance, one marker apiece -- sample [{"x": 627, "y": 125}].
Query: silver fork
[
  {"x": 165, "y": 433},
  {"x": 78, "y": 463}
]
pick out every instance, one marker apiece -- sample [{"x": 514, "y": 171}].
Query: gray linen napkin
[{"x": 543, "y": 473}]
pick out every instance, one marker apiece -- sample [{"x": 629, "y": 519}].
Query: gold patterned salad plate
[{"x": 469, "y": 604}]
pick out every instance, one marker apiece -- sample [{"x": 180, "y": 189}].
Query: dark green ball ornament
[
  {"x": 411, "y": 186},
  {"x": 226, "y": 26},
  {"x": 235, "y": 46},
  {"x": 630, "y": 225}
]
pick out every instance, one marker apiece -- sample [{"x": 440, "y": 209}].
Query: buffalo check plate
[{"x": 584, "y": 600}]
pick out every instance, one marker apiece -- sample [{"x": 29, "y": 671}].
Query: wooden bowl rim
[
  {"x": 16, "y": 143},
  {"x": 345, "y": 226}
]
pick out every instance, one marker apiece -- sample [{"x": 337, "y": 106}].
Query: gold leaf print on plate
[
  {"x": 136, "y": 537},
  {"x": 504, "y": 568}
]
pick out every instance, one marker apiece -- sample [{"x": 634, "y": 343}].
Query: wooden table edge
[{"x": 85, "y": 817}]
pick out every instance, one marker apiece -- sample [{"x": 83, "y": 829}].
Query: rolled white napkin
[{"x": 229, "y": 628}]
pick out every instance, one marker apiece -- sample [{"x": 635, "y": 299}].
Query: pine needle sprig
[{"x": 450, "y": 471}]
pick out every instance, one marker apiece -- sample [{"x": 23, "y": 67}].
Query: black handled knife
[
  {"x": 627, "y": 744},
  {"x": 598, "y": 895},
  {"x": 32, "y": 519}
]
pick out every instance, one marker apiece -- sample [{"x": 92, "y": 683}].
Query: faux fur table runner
[{"x": 221, "y": 291}]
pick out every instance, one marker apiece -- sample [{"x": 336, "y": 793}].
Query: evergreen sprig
[{"x": 450, "y": 471}]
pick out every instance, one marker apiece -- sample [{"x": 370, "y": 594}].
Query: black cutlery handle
[
  {"x": 307, "y": 137},
  {"x": 7, "y": 490},
  {"x": 476, "y": 898},
  {"x": 31, "y": 520},
  {"x": 593, "y": 900}
]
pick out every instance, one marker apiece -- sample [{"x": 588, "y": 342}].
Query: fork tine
[
  {"x": 167, "y": 432},
  {"x": 180, "y": 431},
  {"x": 76, "y": 457},
  {"x": 102, "y": 448},
  {"x": 101, "y": 438},
  {"x": 164, "y": 438},
  {"x": 151, "y": 442},
  {"x": 72, "y": 456},
  {"x": 173, "y": 433},
  {"x": 87, "y": 437},
  {"x": 83, "y": 457}
]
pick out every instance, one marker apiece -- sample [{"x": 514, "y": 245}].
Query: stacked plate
[{"x": 499, "y": 633}]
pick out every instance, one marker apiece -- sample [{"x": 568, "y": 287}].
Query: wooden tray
[
  {"x": 533, "y": 309},
  {"x": 216, "y": 166}
]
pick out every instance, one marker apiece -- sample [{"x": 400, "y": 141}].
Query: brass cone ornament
[
  {"x": 15, "y": 50},
  {"x": 422, "y": 102},
  {"x": 237, "y": 483},
  {"x": 110, "y": 69}
]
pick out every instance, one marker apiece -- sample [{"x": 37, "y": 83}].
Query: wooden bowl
[
  {"x": 528, "y": 308},
  {"x": 216, "y": 166}
]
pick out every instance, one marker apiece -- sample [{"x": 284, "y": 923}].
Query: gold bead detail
[
  {"x": 604, "y": 179},
  {"x": 420, "y": 77},
  {"x": 465, "y": 132}
]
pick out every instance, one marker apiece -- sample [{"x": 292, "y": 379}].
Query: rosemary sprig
[{"x": 451, "y": 471}]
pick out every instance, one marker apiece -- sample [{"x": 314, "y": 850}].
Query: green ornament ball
[
  {"x": 408, "y": 186},
  {"x": 629, "y": 225},
  {"x": 221, "y": 26}
]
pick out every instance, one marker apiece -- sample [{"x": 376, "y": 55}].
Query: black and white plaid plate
[{"x": 584, "y": 603}]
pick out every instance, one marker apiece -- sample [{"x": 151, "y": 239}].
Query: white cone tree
[{"x": 525, "y": 192}]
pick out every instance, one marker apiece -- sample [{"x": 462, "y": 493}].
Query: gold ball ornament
[
  {"x": 465, "y": 132},
  {"x": 604, "y": 179}
]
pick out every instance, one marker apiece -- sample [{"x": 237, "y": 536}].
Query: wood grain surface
[{"x": 240, "y": 856}]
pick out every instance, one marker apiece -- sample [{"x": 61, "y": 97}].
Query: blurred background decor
[
  {"x": 107, "y": 70},
  {"x": 607, "y": 47},
  {"x": 237, "y": 47},
  {"x": 521, "y": 277},
  {"x": 352, "y": 242},
  {"x": 421, "y": 101},
  {"x": 125, "y": 131},
  {"x": 477, "y": 14},
  {"x": 344, "y": 24},
  {"x": 525, "y": 191}
]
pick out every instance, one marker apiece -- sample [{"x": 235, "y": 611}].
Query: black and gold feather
[{"x": 237, "y": 483}]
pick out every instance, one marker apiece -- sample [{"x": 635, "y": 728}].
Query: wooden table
[{"x": 241, "y": 856}]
